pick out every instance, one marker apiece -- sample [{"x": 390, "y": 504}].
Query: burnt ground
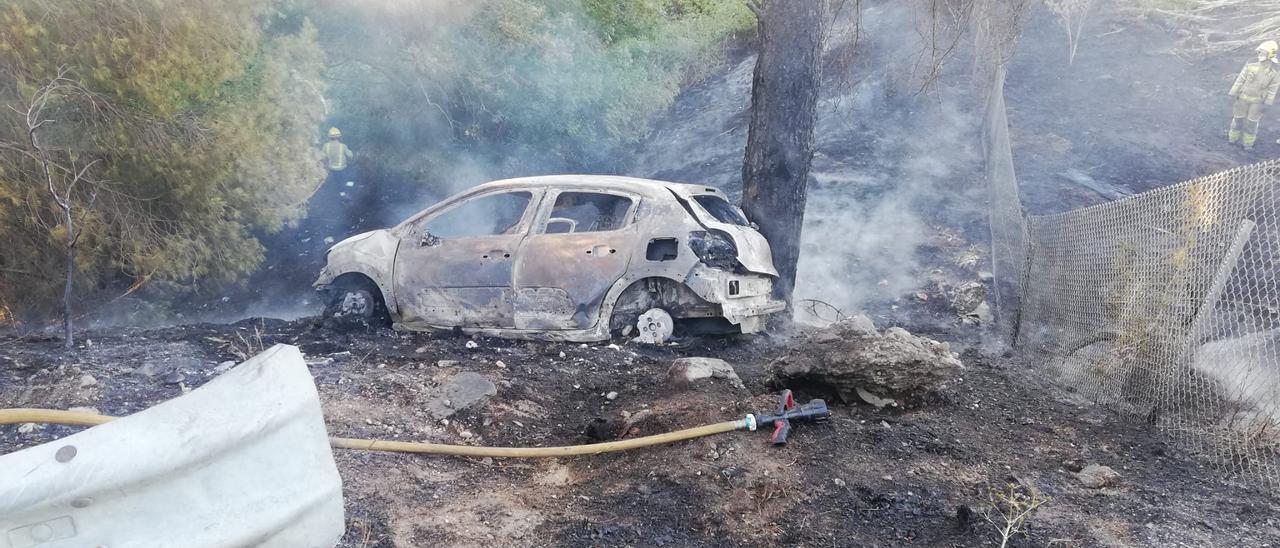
[
  {"x": 1137, "y": 109},
  {"x": 869, "y": 477}
]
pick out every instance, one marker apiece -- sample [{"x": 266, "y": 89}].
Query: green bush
[{"x": 198, "y": 122}]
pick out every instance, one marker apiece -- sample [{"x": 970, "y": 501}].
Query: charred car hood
[{"x": 754, "y": 252}]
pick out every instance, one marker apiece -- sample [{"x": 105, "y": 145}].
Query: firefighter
[
  {"x": 336, "y": 154},
  {"x": 1255, "y": 86}
]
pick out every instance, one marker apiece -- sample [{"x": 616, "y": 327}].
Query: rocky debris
[
  {"x": 174, "y": 377},
  {"x": 27, "y": 427},
  {"x": 968, "y": 296},
  {"x": 688, "y": 371},
  {"x": 227, "y": 365},
  {"x": 1072, "y": 465},
  {"x": 87, "y": 381},
  {"x": 464, "y": 390},
  {"x": 1097, "y": 476},
  {"x": 852, "y": 354},
  {"x": 979, "y": 316}
]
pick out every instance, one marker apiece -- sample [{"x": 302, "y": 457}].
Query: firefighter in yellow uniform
[
  {"x": 336, "y": 154},
  {"x": 1255, "y": 86}
]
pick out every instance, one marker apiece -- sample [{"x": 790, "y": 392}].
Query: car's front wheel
[{"x": 356, "y": 301}]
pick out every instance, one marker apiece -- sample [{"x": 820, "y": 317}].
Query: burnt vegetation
[{"x": 160, "y": 186}]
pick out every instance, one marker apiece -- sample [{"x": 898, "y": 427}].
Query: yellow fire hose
[
  {"x": 788, "y": 411},
  {"x": 75, "y": 418}
]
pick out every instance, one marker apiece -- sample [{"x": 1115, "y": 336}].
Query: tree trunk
[
  {"x": 68, "y": 339},
  {"x": 784, "y": 99}
]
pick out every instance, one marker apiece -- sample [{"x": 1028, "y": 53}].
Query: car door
[
  {"x": 580, "y": 245},
  {"x": 454, "y": 267}
]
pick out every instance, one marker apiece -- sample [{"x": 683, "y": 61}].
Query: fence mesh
[{"x": 1167, "y": 305}]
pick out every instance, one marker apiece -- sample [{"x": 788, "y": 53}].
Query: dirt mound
[{"x": 851, "y": 355}]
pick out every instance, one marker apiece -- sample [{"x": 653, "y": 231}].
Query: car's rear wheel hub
[{"x": 656, "y": 326}]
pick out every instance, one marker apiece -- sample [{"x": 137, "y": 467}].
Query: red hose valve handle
[{"x": 814, "y": 411}]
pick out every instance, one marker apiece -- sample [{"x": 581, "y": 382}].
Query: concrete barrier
[{"x": 241, "y": 461}]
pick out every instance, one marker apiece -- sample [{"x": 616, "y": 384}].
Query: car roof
[{"x": 637, "y": 185}]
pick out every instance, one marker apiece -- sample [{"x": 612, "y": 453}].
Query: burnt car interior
[
  {"x": 587, "y": 212},
  {"x": 484, "y": 216}
]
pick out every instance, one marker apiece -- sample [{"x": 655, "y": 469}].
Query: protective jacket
[
  {"x": 1258, "y": 82},
  {"x": 336, "y": 155}
]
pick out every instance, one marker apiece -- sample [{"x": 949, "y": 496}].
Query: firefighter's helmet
[
  {"x": 1269, "y": 47},
  {"x": 333, "y": 131}
]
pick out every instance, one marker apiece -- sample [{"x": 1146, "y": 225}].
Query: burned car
[{"x": 571, "y": 257}]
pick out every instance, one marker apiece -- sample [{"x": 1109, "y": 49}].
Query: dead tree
[
  {"x": 780, "y": 144},
  {"x": 61, "y": 181}
]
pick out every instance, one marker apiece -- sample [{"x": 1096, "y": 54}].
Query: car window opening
[
  {"x": 722, "y": 210},
  {"x": 587, "y": 212},
  {"x": 484, "y": 216}
]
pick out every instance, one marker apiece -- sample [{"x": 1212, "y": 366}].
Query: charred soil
[{"x": 918, "y": 475}]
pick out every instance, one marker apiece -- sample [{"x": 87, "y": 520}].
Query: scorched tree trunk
[{"x": 784, "y": 99}]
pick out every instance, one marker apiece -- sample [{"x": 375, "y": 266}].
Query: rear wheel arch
[{"x": 670, "y": 294}]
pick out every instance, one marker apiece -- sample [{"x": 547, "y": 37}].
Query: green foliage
[
  {"x": 203, "y": 117},
  {"x": 548, "y": 83},
  {"x": 200, "y": 120}
]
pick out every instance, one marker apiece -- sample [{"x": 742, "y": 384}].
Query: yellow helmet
[
  {"x": 1269, "y": 47},
  {"x": 333, "y": 131}
]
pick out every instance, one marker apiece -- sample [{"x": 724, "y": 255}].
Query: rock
[
  {"x": 611, "y": 396},
  {"x": 27, "y": 428},
  {"x": 875, "y": 400},
  {"x": 860, "y": 324},
  {"x": 463, "y": 391},
  {"x": 1097, "y": 476},
  {"x": 850, "y": 355},
  {"x": 227, "y": 365},
  {"x": 980, "y": 315},
  {"x": 175, "y": 377},
  {"x": 966, "y": 297},
  {"x": 687, "y": 371},
  {"x": 318, "y": 362},
  {"x": 472, "y": 345},
  {"x": 447, "y": 363},
  {"x": 87, "y": 381}
]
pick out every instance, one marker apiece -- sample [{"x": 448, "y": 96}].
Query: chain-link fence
[{"x": 1167, "y": 305}]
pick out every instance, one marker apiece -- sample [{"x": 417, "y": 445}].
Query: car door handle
[{"x": 498, "y": 254}]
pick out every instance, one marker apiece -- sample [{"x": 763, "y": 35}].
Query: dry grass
[
  {"x": 1010, "y": 509},
  {"x": 1242, "y": 24}
]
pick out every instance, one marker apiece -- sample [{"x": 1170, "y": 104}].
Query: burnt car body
[{"x": 569, "y": 257}]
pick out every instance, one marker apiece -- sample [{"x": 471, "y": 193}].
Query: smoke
[
  {"x": 892, "y": 173},
  {"x": 894, "y": 197}
]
